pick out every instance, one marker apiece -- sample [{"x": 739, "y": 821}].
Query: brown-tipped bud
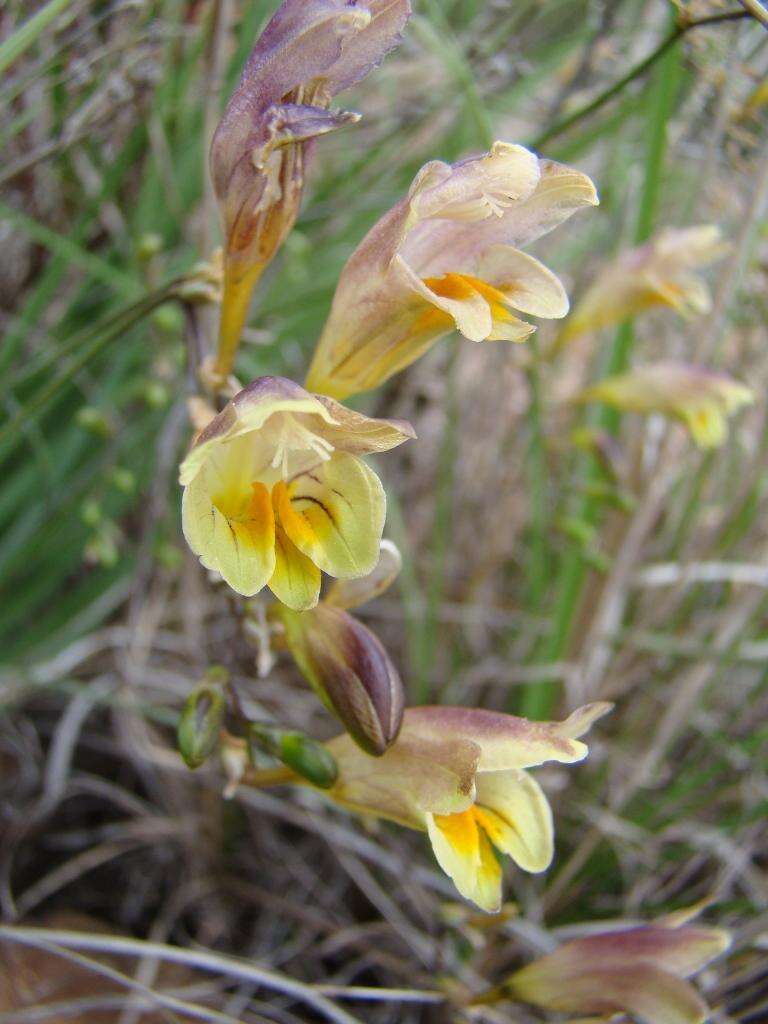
[
  {"x": 200, "y": 724},
  {"x": 302, "y": 754},
  {"x": 347, "y": 666}
]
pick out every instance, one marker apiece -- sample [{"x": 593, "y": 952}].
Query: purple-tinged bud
[
  {"x": 351, "y": 672},
  {"x": 309, "y": 51},
  {"x": 640, "y": 971}
]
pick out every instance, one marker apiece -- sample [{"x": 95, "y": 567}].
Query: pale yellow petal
[
  {"x": 242, "y": 550},
  {"x": 335, "y": 515},
  {"x": 466, "y": 306},
  {"x": 296, "y": 579},
  {"x": 463, "y": 851},
  {"x": 526, "y": 283},
  {"x": 516, "y": 815},
  {"x": 353, "y": 432}
]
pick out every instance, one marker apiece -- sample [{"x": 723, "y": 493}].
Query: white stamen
[{"x": 294, "y": 436}]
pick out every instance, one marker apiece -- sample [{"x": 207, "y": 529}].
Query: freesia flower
[
  {"x": 275, "y": 491},
  {"x": 459, "y": 775},
  {"x": 657, "y": 273},
  {"x": 700, "y": 398},
  {"x": 639, "y": 970},
  {"x": 447, "y": 257},
  {"x": 310, "y": 51}
]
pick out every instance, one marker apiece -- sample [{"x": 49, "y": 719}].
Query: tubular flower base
[
  {"x": 275, "y": 491},
  {"x": 702, "y": 399},
  {"x": 447, "y": 257},
  {"x": 459, "y": 775},
  {"x": 655, "y": 274},
  {"x": 640, "y": 971},
  {"x": 309, "y": 51}
]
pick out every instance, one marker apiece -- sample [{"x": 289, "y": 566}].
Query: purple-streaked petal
[{"x": 506, "y": 741}]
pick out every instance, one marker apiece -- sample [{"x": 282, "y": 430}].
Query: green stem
[
  {"x": 539, "y": 697},
  {"x": 634, "y": 73},
  {"x": 537, "y": 476},
  {"x": 441, "y": 536}
]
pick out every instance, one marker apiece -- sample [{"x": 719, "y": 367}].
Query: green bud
[
  {"x": 90, "y": 512},
  {"x": 123, "y": 480},
  {"x": 93, "y": 420},
  {"x": 155, "y": 394},
  {"x": 200, "y": 724},
  {"x": 149, "y": 245},
  {"x": 303, "y": 755},
  {"x": 168, "y": 318},
  {"x": 102, "y": 549}
]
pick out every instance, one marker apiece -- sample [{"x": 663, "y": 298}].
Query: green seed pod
[
  {"x": 302, "y": 754},
  {"x": 200, "y": 723}
]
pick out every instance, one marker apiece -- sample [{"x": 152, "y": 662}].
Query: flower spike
[
  {"x": 309, "y": 51},
  {"x": 448, "y": 257}
]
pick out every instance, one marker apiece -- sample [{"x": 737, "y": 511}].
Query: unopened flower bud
[
  {"x": 303, "y": 755},
  {"x": 200, "y": 723},
  {"x": 149, "y": 245},
  {"x": 94, "y": 421},
  {"x": 123, "y": 480},
  {"x": 349, "y": 669},
  {"x": 155, "y": 394}
]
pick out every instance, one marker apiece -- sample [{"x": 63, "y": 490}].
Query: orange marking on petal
[
  {"x": 295, "y": 524},
  {"x": 450, "y": 286},
  {"x": 460, "y": 830},
  {"x": 463, "y": 286},
  {"x": 492, "y": 823},
  {"x": 255, "y": 526}
]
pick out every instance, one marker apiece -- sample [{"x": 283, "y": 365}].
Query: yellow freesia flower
[
  {"x": 657, "y": 273},
  {"x": 275, "y": 491},
  {"x": 700, "y": 398},
  {"x": 458, "y": 774},
  {"x": 447, "y": 257}
]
